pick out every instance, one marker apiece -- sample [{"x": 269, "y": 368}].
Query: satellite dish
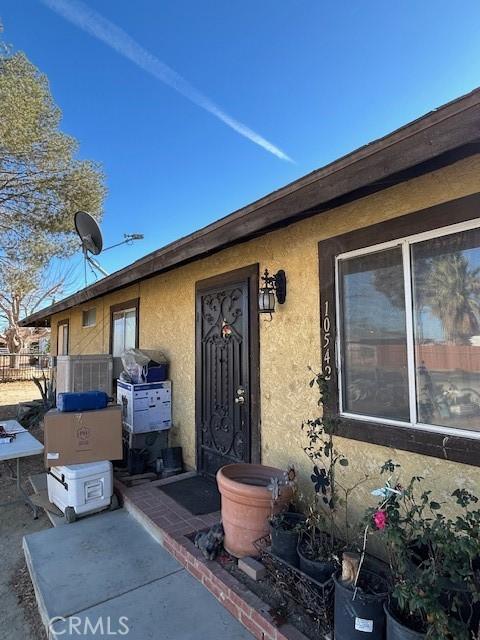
[
  {"x": 92, "y": 241},
  {"x": 89, "y": 232}
]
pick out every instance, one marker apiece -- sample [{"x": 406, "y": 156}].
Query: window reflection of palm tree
[
  {"x": 449, "y": 288},
  {"x": 444, "y": 284},
  {"x": 453, "y": 295}
]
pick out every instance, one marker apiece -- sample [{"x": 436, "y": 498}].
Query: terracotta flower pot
[{"x": 247, "y": 504}]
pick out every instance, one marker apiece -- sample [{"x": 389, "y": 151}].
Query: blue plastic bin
[
  {"x": 82, "y": 401},
  {"x": 158, "y": 374}
]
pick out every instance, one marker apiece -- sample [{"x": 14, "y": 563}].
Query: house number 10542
[{"x": 327, "y": 368}]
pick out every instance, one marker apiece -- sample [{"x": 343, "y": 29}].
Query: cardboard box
[
  {"x": 89, "y": 436},
  {"x": 147, "y": 406}
]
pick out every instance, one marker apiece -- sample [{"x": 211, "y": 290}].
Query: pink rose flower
[{"x": 380, "y": 519}]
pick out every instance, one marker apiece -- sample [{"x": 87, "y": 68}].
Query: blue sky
[{"x": 316, "y": 79}]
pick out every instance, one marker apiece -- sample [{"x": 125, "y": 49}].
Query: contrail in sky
[{"x": 99, "y": 27}]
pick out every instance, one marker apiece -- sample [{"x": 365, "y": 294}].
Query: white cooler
[{"x": 79, "y": 489}]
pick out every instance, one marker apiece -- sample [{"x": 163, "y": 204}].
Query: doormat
[{"x": 198, "y": 495}]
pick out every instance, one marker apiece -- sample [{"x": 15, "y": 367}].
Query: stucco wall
[{"x": 291, "y": 341}]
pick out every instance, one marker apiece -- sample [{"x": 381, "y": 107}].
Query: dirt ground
[
  {"x": 11, "y": 393},
  {"x": 19, "y": 617}
]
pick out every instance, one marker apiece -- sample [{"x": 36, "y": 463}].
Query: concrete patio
[
  {"x": 139, "y": 562},
  {"x": 173, "y": 526},
  {"x": 108, "y": 570}
]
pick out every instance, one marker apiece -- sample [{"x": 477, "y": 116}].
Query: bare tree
[{"x": 24, "y": 289}]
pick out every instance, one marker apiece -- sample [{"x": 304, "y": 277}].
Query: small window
[{"x": 89, "y": 317}]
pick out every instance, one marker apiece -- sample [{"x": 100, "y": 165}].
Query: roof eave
[{"x": 435, "y": 140}]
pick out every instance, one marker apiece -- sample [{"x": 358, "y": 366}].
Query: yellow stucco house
[{"x": 381, "y": 255}]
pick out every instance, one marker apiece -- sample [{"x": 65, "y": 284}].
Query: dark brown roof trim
[{"x": 439, "y": 138}]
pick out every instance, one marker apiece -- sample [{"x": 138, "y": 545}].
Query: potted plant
[
  {"x": 323, "y": 540},
  {"x": 285, "y": 526},
  {"x": 330, "y": 539},
  {"x": 318, "y": 551},
  {"x": 284, "y": 532},
  {"x": 251, "y": 494},
  {"x": 435, "y": 581}
]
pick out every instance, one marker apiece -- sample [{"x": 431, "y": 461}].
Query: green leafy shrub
[{"x": 433, "y": 558}]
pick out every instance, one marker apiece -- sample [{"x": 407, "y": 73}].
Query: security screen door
[{"x": 224, "y": 393}]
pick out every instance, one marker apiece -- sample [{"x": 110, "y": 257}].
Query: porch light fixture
[{"x": 273, "y": 287}]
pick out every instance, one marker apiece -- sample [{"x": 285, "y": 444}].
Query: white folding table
[{"x": 22, "y": 446}]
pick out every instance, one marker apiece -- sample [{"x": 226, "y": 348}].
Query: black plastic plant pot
[
  {"x": 320, "y": 570},
  {"x": 285, "y": 540},
  {"x": 172, "y": 458},
  {"x": 360, "y": 615},
  {"x": 397, "y": 631},
  {"x": 137, "y": 460}
]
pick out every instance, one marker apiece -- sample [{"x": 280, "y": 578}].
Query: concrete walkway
[{"x": 106, "y": 574}]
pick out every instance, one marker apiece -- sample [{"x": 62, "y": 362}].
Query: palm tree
[{"x": 452, "y": 291}]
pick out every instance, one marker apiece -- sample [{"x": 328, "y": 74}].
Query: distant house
[
  {"x": 36, "y": 340},
  {"x": 372, "y": 246}
]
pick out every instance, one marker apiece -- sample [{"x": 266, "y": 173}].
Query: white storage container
[
  {"x": 145, "y": 407},
  {"x": 85, "y": 488}
]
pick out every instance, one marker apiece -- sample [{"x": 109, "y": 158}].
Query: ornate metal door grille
[{"x": 223, "y": 428}]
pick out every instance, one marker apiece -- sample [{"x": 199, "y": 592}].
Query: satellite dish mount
[{"x": 91, "y": 239}]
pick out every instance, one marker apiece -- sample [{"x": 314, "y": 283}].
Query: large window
[
  {"x": 124, "y": 327},
  {"x": 408, "y": 318},
  {"x": 374, "y": 335}
]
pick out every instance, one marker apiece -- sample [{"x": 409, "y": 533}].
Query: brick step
[{"x": 169, "y": 523}]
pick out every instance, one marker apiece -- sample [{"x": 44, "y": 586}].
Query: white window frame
[
  {"x": 123, "y": 312},
  {"x": 64, "y": 343},
  {"x": 405, "y": 243},
  {"x": 85, "y": 311}
]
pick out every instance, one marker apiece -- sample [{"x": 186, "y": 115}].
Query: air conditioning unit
[{"x": 85, "y": 373}]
